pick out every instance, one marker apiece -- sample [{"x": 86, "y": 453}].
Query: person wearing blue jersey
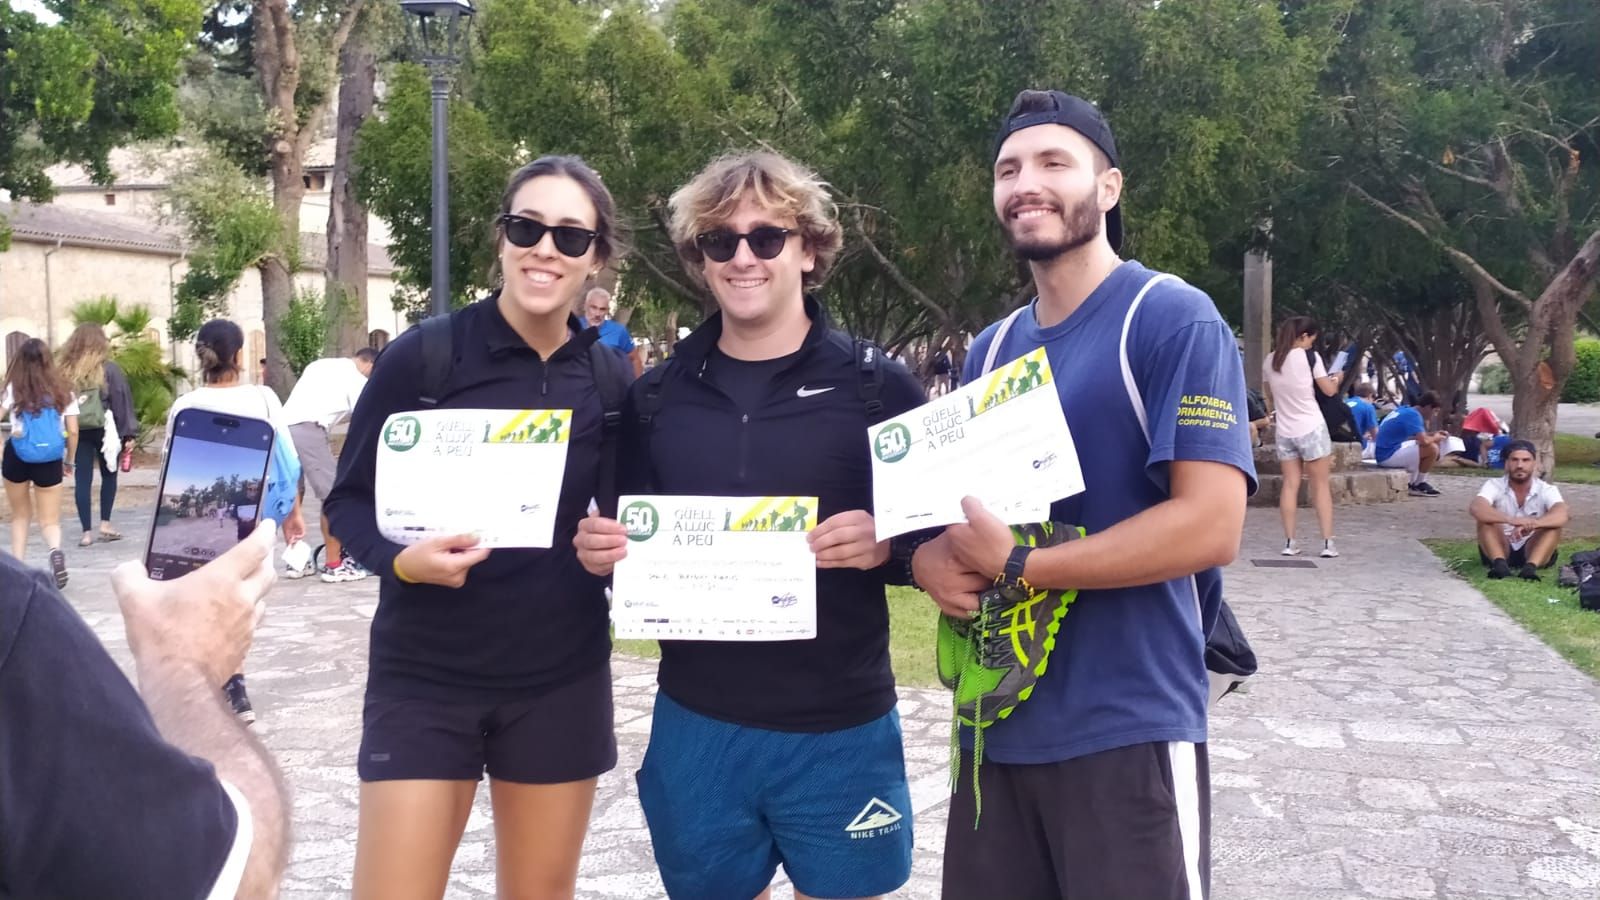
[{"x": 1097, "y": 785}]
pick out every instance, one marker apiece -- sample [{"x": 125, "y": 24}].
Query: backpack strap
[
  {"x": 1129, "y": 383},
  {"x": 438, "y": 355},
  {"x": 647, "y": 404},
  {"x": 605, "y": 366},
  {"x": 1000, "y": 335},
  {"x": 870, "y": 369}
]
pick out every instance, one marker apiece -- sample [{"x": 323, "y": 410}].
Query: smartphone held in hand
[{"x": 212, "y": 482}]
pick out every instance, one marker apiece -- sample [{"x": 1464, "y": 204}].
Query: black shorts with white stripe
[{"x": 1132, "y": 823}]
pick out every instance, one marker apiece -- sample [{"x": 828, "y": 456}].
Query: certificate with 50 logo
[
  {"x": 716, "y": 569},
  {"x": 492, "y": 472}
]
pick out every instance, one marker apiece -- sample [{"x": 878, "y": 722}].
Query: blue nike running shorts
[{"x": 727, "y": 804}]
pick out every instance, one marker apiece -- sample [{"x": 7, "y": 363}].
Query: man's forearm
[
  {"x": 189, "y": 711},
  {"x": 1487, "y": 514},
  {"x": 1191, "y": 538}
]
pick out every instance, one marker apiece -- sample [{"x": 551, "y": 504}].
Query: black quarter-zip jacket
[
  {"x": 526, "y": 619},
  {"x": 808, "y": 437}
]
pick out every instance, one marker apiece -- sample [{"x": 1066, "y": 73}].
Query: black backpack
[
  {"x": 1341, "y": 421},
  {"x": 610, "y": 381},
  {"x": 1586, "y": 566}
]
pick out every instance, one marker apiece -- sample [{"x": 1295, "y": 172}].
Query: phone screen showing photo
[{"x": 211, "y": 488}]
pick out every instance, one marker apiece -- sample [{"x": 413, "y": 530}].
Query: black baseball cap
[
  {"x": 1076, "y": 113},
  {"x": 1521, "y": 444}
]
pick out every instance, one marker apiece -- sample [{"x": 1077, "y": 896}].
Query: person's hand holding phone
[
  {"x": 443, "y": 561},
  {"x": 206, "y": 618}
]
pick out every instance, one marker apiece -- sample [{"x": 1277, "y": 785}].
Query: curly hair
[{"x": 776, "y": 183}]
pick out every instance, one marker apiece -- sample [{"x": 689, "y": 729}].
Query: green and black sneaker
[{"x": 993, "y": 660}]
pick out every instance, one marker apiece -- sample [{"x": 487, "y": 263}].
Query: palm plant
[{"x": 152, "y": 380}]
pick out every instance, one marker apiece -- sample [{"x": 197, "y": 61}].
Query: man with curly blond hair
[{"x": 786, "y": 752}]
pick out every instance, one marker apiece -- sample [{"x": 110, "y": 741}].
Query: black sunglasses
[
  {"x": 569, "y": 239},
  {"x": 765, "y": 242}
]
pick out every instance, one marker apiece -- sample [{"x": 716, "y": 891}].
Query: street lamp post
[{"x": 439, "y": 35}]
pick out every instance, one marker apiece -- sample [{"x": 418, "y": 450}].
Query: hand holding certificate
[
  {"x": 495, "y": 473},
  {"x": 716, "y": 569},
  {"x": 1002, "y": 439}
]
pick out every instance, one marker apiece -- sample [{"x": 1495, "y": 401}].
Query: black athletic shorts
[
  {"x": 563, "y": 734},
  {"x": 1132, "y": 823},
  {"x": 14, "y": 470}
]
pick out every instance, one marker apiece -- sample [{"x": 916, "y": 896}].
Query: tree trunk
[
  {"x": 277, "y": 289},
  {"x": 1541, "y": 364},
  {"x": 347, "y": 217},
  {"x": 1533, "y": 414}
]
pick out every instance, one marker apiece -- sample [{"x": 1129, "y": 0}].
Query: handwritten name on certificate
[
  {"x": 1002, "y": 439},
  {"x": 716, "y": 569},
  {"x": 491, "y": 472}
]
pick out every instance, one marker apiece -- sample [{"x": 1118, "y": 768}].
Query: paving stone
[{"x": 1404, "y": 738}]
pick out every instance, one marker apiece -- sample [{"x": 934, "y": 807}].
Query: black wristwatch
[{"x": 1014, "y": 565}]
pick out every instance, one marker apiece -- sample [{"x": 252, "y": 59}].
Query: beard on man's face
[{"x": 1080, "y": 225}]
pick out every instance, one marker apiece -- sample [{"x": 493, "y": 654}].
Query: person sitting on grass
[{"x": 1520, "y": 517}]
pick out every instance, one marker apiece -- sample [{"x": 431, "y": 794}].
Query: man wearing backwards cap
[
  {"x": 1519, "y": 517},
  {"x": 1098, "y": 784}
]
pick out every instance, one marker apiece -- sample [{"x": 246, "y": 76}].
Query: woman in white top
[
  {"x": 1289, "y": 376},
  {"x": 220, "y": 348},
  {"x": 36, "y": 461}
]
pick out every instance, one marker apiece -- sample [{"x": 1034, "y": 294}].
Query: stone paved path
[{"x": 1404, "y": 739}]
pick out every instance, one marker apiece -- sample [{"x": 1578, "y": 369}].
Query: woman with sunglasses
[{"x": 483, "y": 660}]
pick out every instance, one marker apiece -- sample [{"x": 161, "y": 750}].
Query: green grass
[
  {"x": 1575, "y": 459},
  {"x": 911, "y": 630},
  {"x": 1572, "y": 632}
]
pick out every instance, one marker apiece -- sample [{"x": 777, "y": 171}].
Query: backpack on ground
[
  {"x": 610, "y": 381},
  {"x": 39, "y": 437},
  {"x": 1586, "y": 566}
]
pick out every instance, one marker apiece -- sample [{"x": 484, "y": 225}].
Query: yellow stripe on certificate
[
  {"x": 533, "y": 426},
  {"x": 777, "y": 514},
  {"x": 1014, "y": 379}
]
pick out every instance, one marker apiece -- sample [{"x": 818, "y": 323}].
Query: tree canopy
[{"x": 99, "y": 75}]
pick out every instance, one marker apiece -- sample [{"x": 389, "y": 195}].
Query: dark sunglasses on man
[
  {"x": 721, "y": 244},
  {"x": 569, "y": 239}
]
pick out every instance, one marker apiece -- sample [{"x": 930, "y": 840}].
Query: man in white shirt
[
  {"x": 324, "y": 396},
  {"x": 1519, "y": 517}
]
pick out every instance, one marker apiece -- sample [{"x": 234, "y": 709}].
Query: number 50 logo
[
  {"x": 640, "y": 519},
  {"x": 892, "y": 443},
  {"x": 402, "y": 433}
]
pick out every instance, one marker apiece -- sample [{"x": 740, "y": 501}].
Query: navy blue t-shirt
[
  {"x": 1129, "y": 664},
  {"x": 93, "y": 801}
]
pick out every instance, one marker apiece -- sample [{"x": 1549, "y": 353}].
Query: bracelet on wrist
[{"x": 398, "y": 573}]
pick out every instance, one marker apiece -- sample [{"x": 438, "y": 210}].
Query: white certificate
[
  {"x": 716, "y": 569},
  {"x": 495, "y": 473},
  {"x": 1002, "y": 439}
]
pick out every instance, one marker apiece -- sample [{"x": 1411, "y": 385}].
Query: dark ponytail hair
[
  {"x": 217, "y": 346},
  {"x": 1288, "y": 333}
]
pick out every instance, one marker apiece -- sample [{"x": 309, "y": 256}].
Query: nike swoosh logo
[{"x": 811, "y": 392}]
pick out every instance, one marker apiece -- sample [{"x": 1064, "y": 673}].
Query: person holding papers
[
  {"x": 1097, "y": 786},
  {"x": 488, "y": 660},
  {"x": 778, "y": 751}
]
